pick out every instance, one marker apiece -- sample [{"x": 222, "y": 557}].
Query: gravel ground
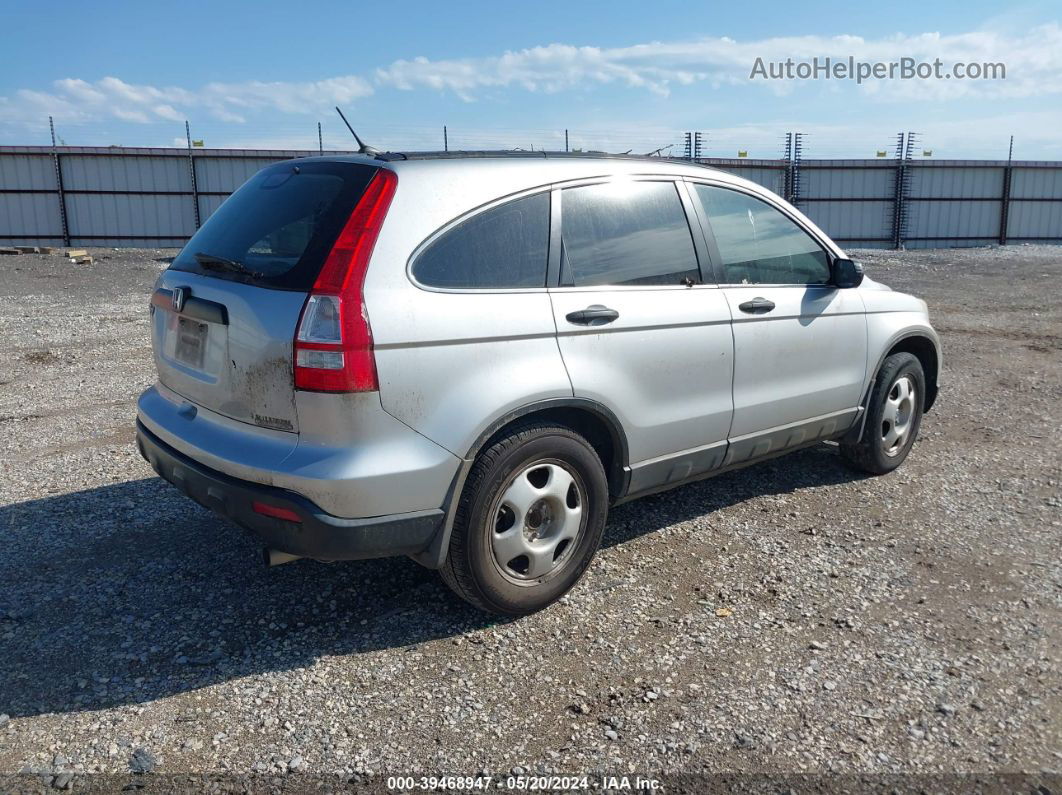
[{"x": 789, "y": 618}]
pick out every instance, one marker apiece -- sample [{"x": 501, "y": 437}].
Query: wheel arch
[
  {"x": 924, "y": 348},
  {"x": 594, "y": 421}
]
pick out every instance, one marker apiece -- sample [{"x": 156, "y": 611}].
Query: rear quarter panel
[{"x": 451, "y": 363}]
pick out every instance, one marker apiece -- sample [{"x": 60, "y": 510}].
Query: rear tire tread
[{"x": 455, "y": 571}]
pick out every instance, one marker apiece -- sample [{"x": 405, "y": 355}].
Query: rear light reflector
[
  {"x": 333, "y": 343},
  {"x": 319, "y": 360},
  {"x": 276, "y": 512}
]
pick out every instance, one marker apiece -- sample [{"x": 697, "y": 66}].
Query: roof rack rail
[{"x": 455, "y": 154}]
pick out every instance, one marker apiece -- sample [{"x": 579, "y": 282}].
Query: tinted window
[
  {"x": 626, "y": 232},
  {"x": 505, "y": 246},
  {"x": 280, "y": 224},
  {"x": 760, "y": 245}
]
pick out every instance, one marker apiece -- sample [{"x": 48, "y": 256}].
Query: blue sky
[{"x": 617, "y": 75}]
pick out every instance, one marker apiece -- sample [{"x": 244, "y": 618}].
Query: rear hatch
[{"x": 224, "y": 314}]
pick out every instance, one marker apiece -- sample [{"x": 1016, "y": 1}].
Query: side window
[
  {"x": 760, "y": 245},
  {"x": 503, "y": 247},
  {"x": 626, "y": 232}
]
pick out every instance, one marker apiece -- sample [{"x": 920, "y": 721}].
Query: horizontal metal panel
[
  {"x": 958, "y": 182},
  {"x": 953, "y": 219},
  {"x": 221, "y": 174},
  {"x": 851, "y": 219},
  {"x": 27, "y": 172},
  {"x": 124, "y": 242},
  {"x": 32, "y": 241},
  {"x": 116, "y": 172},
  {"x": 1034, "y": 219},
  {"x": 770, "y": 178},
  {"x": 848, "y": 245},
  {"x": 30, "y": 214},
  {"x": 207, "y": 206},
  {"x": 951, "y": 243},
  {"x": 848, "y": 183},
  {"x": 121, "y": 215},
  {"x": 1036, "y": 183}
]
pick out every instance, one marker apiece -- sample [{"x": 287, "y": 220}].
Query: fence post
[
  {"x": 791, "y": 178},
  {"x": 59, "y": 185},
  {"x": 787, "y": 176},
  {"x": 1004, "y": 204},
  {"x": 565, "y": 140},
  {"x": 191, "y": 170},
  {"x": 897, "y": 199},
  {"x": 446, "y": 140},
  {"x": 320, "y": 140}
]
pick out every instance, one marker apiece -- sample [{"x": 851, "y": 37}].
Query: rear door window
[
  {"x": 279, "y": 226},
  {"x": 758, "y": 244},
  {"x": 503, "y": 247},
  {"x": 626, "y": 233}
]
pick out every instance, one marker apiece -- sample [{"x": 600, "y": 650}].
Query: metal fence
[
  {"x": 919, "y": 204},
  {"x": 120, "y": 196}
]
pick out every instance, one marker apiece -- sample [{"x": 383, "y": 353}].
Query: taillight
[{"x": 333, "y": 343}]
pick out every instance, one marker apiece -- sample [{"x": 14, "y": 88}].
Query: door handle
[
  {"x": 594, "y": 315},
  {"x": 757, "y": 306}
]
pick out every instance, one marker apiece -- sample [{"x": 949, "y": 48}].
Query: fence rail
[{"x": 121, "y": 196}]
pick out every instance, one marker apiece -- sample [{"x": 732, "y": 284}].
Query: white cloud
[
  {"x": 75, "y": 100},
  {"x": 308, "y": 97},
  {"x": 165, "y": 111},
  {"x": 1033, "y": 61},
  {"x": 550, "y": 68}
]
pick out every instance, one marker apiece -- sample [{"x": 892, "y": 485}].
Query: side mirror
[{"x": 846, "y": 273}]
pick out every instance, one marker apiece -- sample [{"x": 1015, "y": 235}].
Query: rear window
[
  {"x": 503, "y": 247},
  {"x": 279, "y": 226}
]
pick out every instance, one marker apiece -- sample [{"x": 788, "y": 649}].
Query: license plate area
[{"x": 190, "y": 342}]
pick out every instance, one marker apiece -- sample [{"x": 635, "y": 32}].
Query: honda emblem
[{"x": 178, "y": 298}]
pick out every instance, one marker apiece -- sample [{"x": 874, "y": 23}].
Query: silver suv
[{"x": 468, "y": 359}]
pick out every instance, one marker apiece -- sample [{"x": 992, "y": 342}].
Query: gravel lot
[{"x": 895, "y": 625}]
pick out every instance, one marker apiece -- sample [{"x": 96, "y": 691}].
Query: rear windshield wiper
[{"x": 214, "y": 262}]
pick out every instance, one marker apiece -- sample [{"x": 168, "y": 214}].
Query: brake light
[{"x": 333, "y": 343}]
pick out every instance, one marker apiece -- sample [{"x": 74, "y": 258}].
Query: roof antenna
[{"x": 363, "y": 148}]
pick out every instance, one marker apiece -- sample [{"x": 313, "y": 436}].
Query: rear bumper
[
  {"x": 317, "y": 535},
  {"x": 350, "y": 457}
]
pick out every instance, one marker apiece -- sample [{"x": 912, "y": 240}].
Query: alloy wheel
[
  {"x": 537, "y": 521},
  {"x": 897, "y": 416}
]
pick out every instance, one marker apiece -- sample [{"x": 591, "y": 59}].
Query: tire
[
  {"x": 529, "y": 520},
  {"x": 894, "y": 415}
]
